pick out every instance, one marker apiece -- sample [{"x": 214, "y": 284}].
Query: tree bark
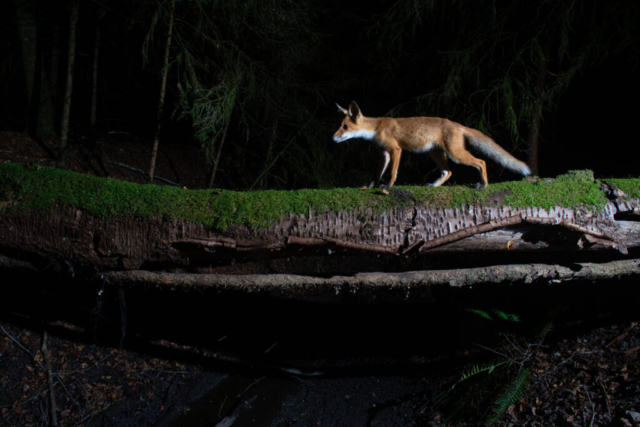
[
  {"x": 66, "y": 106},
  {"x": 163, "y": 86}
]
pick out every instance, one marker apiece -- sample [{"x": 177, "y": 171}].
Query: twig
[
  {"x": 52, "y": 397},
  {"x": 496, "y": 352},
  {"x": 83, "y": 369},
  {"x": 94, "y": 413},
  {"x": 251, "y": 385},
  {"x": 23, "y": 347},
  {"x": 159, "y": 373},
  {"x": 593, "y": 407},
  {"x": 270, "y": 348},
  {"x": 66, "y": 389},
  {"x": 563, "y": 362},
  {"x": 142, "y": 172},
  {"x": 606, "y": 397},
  {"x": 221, "y": 405},
  {"x": 45, "y": 418}
]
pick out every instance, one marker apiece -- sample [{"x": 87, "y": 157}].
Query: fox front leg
[{"x": 383, "y": 162}]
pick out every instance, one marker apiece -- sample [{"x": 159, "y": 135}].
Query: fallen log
[
  {"x": 93, "y": 223},
  {"x": 404, "y": 285}
]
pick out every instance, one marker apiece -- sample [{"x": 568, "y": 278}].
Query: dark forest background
[{"x": 253, "y": 83}]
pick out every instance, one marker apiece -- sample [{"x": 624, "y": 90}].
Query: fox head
[{"x": 353, "y": 125}]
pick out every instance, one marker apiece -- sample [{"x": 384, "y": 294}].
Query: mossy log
[{"x": 105, "y": 225}]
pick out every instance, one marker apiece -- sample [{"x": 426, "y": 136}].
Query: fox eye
[{"x": 345, "y": 127}]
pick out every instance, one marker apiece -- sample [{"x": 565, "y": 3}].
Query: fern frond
[
  {"x": 481, "y": 313},
  {"x": 544, "y": 330},
  {"x": 478, "y": 369},
  {"x": 512, "y": 392},
  {"x": 507, "y": 316}
]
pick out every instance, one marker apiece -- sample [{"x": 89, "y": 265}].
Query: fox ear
[
  {"x": 342, "y": 110},
  {"x": 354, "y": 111}
]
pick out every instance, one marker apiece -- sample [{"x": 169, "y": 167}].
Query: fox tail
[{"x": 488, "y": 146}]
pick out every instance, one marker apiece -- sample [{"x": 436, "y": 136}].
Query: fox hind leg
[
  {"x": 461, "y": 155},
  {"x": 467, "y": 159}
]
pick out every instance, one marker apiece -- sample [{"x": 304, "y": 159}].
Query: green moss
[
  {"x": 630, "y": 186},
  {"x": 24, "y": 187},
  {"x": 570, "y": 190},
  {"x": 576, "y": 188}
]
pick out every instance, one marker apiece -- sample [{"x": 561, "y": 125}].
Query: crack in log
[{"x": 406, "y": 248}]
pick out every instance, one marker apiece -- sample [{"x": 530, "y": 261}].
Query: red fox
[{"x": 439, "y": 137}]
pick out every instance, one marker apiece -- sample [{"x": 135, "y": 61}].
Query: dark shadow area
[
  {"x": 268, "y": 332},
  {"x": 234, "y": 357}
]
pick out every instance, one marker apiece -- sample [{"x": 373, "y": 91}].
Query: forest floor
[{"x": 579, "y": 376}]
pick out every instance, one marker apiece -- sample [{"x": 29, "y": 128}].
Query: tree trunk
[
  {"x": 66, "y": 106},
  {"x": 27, "y": 30},
  {"x": 163, "y": 86},
  {"x": 94, "y": 79},
  {"x": 45, "y": 116},
  {"x": 44, "y": 112},
  {"x": 533, "y": 138},
  {"x": 217, "y": 160}
]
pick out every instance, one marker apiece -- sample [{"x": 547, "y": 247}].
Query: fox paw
[{"x": 373, "y": 185}]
